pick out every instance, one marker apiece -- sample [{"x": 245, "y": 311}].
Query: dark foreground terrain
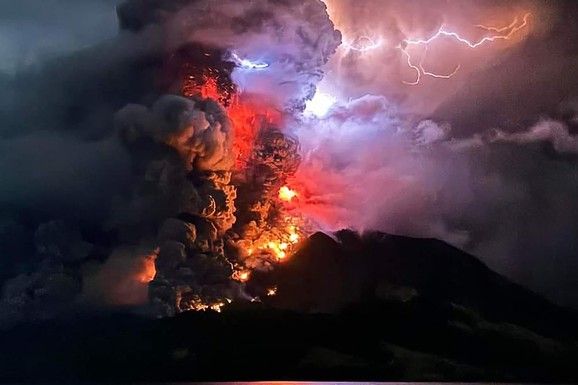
[{"x": 377, "y": 307}]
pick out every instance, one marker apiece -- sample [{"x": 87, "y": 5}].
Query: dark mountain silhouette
[
  {"x": 349, "y": 307},
  {"x": 327, "y": 273}
]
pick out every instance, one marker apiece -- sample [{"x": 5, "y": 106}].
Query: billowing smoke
[
  {"x": 189, "y": 178},
  {"x": 111, "y": 183},
  {"x": 546, "y": 131},
  {"x": 484, "y": 160},
  {"x": 506, "y": 196},
  {"x": 122, "y": 280},
  {"x": 294, "y": 40},
  {"x": 366, "y": 167},
  {"x": 133, "y": 186}
]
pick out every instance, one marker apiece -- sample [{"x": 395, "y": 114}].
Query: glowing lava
[
  {"x": 281, "y": 248},
  {"x": 242, "y": 275},
  {"x": 274, "y": 245},
  {"x": 272, "y": 291},
  {"x": 286, "y": 194}
]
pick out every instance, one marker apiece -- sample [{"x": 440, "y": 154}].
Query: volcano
[
  {"x": 171, "y": 197},
  {"x": 361, "y": 307}
]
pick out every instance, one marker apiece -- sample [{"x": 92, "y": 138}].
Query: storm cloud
[{"x": 484, "y": 160}]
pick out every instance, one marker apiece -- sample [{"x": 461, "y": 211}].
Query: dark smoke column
[
  {"x": 296, "y": 39},
  {"x": 183, "y": 148},
  {"x": 199, "y": 37}
]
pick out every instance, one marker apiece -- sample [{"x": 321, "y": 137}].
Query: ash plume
[
  {"x": 111, "y": 172},
  {"x": 180, "y": 151},
  {"x": 189, "y": 178},
  {"x": 141, "y": 182},
  {"x": 503, "y": 195},
  {"x": 294, "y": 39},
  {"x": 484, "y": 160}
]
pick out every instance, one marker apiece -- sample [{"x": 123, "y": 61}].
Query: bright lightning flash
[
  {"x": 503, "y": 33},
  {"x": 513, "y": 27},
  {"x": 248, "y": 64},
  {"x": 320, "y": 104},
  {"x": 365, "y": 44}
]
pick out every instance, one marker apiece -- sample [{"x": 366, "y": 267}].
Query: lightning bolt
[
  {"x": 421, "y": 71},
  {"x": 512, "y": 25},
  {"x": 248, "y": 64},
  {"x": 365, "y": 44},
  {"x": 502, "y": 33},
  {"x": 370, "y": 45}
]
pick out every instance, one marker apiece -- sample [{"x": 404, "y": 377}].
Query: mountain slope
[{"x": 372, "y": 307}]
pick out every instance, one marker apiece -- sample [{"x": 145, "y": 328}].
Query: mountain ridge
[{"x": 350, "y": 307}]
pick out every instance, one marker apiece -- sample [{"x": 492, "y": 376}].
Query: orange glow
[
  {"x": 294, "y": 238},
  {"x": 242, "y": 276},
  {"x": 272, "y": 291},
  {"x": 217, "y": 307},
  {"x": 148, "y": 270},
  {"x": 247, "y": 116},
  {"x": 273, "y": 240},
  {"x": 283, "y": 243},
  {"x": 275, "y": 248},
  {"x": 286, "y": 194},
  {"x": 199, "y": 305},
  {"x": 210, "y": 89}
]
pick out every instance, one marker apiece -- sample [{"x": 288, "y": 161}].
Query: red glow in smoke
[{"x": 247, "y": 115}]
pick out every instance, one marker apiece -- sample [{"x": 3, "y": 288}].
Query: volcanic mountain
[{"x": 348, "y": 306}]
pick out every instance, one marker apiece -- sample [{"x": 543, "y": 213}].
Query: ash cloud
[
  {"x": 295, "y": 39},
  {"x": 93, "y": 151},
  {"x": 506, "y": 197},
  {"x": 546, "y": 131},
  {"x": 368, "y": 168},
  {"x": 485, "y": 160}
]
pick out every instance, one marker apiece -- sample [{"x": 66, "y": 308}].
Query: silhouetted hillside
[{"x": 373, "y": 307}]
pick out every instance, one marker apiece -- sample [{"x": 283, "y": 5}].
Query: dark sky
[{"x": 31, "y": 29}]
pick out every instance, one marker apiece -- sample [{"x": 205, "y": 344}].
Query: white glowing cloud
[
  {"x": 248, "y": 64},
  {"x": 320, "y": 104},
  {"x": 363, "y": 44}
]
